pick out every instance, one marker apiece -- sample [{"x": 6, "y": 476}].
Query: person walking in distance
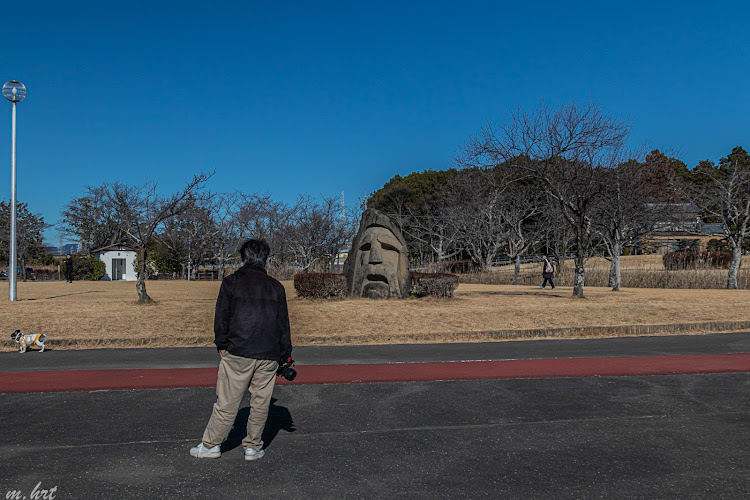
[
  {"x": 251, "y": 328},
  {"x": 548, "y": 272},
  {"x": 68, "y": 269}
]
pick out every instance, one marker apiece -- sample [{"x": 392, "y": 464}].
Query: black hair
[{"x": 255, "y": 252}]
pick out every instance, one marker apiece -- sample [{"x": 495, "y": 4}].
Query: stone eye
[
  {"x": 365, "y": 247},
  {"x": 386, "y": 246}
]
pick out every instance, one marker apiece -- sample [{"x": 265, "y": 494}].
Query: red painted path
[{"x": 93, "y": 380}]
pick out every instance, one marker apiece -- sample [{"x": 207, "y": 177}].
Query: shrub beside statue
[
  {"x": 320, "y": 285},
  {"x": 434, "y": 284}
]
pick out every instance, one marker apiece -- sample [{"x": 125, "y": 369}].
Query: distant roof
[
  {"x": 674, "y": 208},
  {"x": 712, "y": 228},
  {"x": 676, "y": 234},
  {"x": 116, "y": 246}
]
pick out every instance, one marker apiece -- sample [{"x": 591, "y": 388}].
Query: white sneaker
[
  {"x": 251, "y": 454},
  {"x": 201, "y": 451}
]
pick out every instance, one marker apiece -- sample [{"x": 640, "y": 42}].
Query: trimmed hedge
[
  {"x": 85, "y": 268},
  {"x": 693, "y": 260},
  {"x": 320, "y": 285},
  {"x": 434, "y": 284}
]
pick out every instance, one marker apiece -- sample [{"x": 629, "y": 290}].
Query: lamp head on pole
[{"x": 14, "y": 91}]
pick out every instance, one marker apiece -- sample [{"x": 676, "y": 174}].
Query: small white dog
[{"x": 25, "y": 340}]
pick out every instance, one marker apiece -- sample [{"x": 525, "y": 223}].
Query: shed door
[{"x": 118, "y": 269}]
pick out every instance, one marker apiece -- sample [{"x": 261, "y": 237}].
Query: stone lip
[
  {"x": 375, "y": 289},
  {"x": 372, "y": 218},
  {"x": 441, "y": 338}
]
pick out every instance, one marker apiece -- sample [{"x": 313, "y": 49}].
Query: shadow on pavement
[{"x": 279, "y": 419}]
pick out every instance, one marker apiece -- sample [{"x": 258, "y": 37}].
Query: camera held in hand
[{"x": 285, "y": 369}]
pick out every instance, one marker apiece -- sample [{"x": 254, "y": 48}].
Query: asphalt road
[
  {"x": 622, "y": 437},
  {"x": 658, "y": 436}
]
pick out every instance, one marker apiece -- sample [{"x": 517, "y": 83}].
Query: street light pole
[
  {"x": 15, "y": 92},
  {"x": 13, "y": 263}
]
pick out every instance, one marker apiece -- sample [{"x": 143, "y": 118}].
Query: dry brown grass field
[
  {"x": 106, "y": 313},
  {"x": 638, "y": 271}
]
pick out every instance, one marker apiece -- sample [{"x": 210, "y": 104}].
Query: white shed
[{"x": 119, "y": 261}]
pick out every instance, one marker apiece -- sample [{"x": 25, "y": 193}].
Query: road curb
[{"x": 536, "y": 333}]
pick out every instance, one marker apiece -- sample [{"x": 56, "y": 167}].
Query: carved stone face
[
  {"x": 377, "y": 266},
  {"x": 377, "y": 259}
]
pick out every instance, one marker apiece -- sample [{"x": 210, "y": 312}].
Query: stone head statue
[{"x": 377, "y": 266}]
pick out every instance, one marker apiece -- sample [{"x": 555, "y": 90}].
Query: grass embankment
[{"x": 106, "y": 313}]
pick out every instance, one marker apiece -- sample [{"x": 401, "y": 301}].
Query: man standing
[
  {"x": 251, "y": 326},
  {"x": 68, "y": 269}
]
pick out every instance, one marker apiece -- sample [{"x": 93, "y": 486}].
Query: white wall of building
[{"x": 107, "y": 256}]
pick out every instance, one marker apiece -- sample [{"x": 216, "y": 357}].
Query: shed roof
[{"x": 115, "y": 247}]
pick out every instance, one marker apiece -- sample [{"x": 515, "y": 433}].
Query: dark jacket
[{"x": 251, "y": 318}]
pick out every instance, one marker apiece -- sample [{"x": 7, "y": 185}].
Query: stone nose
[{"x": 376, "y": 256}]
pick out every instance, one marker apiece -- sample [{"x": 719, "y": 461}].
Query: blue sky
[{"x": 323, "y": 97}]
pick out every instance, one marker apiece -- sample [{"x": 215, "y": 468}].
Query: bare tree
[
  {"x": 319, "y": 231},
  {"x": 621, "y": 214},
  {"x": 436, "y": 231},
  {"x": 227, "y": 237},
  {"x": 475, "y": 199},
  {"x": 141, "y": 210},
  {"x": 723, "y": 193},
  {"x": 520, "y": 206},
  {"x": 190, "y": 233},
  {"x": 565, "y": 148},
  {"x": 557, "y": 237},
  {"x": 90, "y": 219},
  {"x": 262, "y": 218}
]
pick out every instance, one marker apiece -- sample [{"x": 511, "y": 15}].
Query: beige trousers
[{"x": 236, "y": 375}]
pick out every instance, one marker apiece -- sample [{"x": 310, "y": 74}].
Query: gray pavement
[
  {"x": 200, "y": 357},
  {"x": 622, "y": 437},
  {"x": 666, "y": 436}
]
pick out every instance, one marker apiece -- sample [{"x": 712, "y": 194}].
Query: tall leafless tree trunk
[
  {"x": 621, "y": 214},
  {"x": 615, "y": 276}
]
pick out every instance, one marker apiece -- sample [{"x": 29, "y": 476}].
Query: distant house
[
  {"x": 119, "y": 261},
  {"x": 681, "y": 228}
]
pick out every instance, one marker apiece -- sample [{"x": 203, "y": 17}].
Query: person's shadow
[{"x": 279, "y": 419}]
